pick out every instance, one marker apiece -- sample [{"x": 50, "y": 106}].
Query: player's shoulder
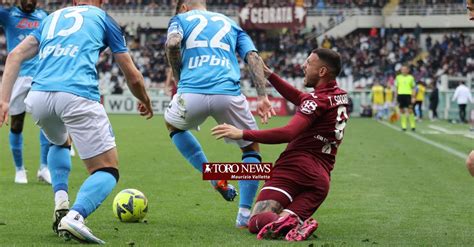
[
  {"x": 41, "y": 13},
  {"x": 6, "y": 9},
  {"x": 205, "y": 13}
]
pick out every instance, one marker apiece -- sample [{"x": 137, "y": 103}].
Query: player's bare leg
[
  {"x": 248, "y": 188},
  {"x": 104, "y": 176},
  {"x": 191, "y": 149}
]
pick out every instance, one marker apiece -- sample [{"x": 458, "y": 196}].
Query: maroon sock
[{"x": 258, "y": 221}]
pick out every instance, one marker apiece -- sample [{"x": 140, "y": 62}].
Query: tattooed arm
[
  {"x": 173, "y": 53},
  {"x": 255, "y": 67}
]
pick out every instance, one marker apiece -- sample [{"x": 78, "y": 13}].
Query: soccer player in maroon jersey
[{"x": 301, "y": 175}]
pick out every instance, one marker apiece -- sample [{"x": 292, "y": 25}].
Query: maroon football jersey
[{"x": 326, "y": 108}]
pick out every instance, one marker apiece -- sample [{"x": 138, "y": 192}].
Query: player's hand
[
  {"x": 168, "y": 90},
  {"x": 227, "y": 130},
  {"x": 413, "y": 100},
  {"x": 145, "y": 109},
  {"x": 470, "y": 163},
  {"x": 266, "y": 71},
  {"x": 4, "y": 106},
  {"x": 265, "y": 109}
]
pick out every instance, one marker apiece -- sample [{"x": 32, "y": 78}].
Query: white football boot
[
  {"x": 60, "y": 210},
  {"x": 20, "y": 177},
  {"x": 43, "y": 175},
  {"x": 72, "y": 226}
]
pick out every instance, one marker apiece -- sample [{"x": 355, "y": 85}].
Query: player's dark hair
[
  {"x": 178, "y": 6},
  {"x": 331, "y": 58}
]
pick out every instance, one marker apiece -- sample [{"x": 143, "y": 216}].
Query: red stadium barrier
[{"x": 279, "y": 104}]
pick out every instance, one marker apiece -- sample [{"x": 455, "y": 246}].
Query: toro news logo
[{"x": 236, "y": 171}]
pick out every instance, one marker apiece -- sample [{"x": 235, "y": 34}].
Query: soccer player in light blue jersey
[
  {"x": 64, "y": 100},
  {"x": 18, "y": 22},
  {"x": 201, "y": 49}
]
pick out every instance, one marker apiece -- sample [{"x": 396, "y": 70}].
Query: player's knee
[
  {"x": 111, "y": 170},
  {"x": 17, "y": 123},
  {"x": 251, "y": 154},
  {"x": 251, "y": 148},
  {"x": 68, "y": 143},
  {"x": 258, "y": 221},
  {"x": 173, "y": 130}
]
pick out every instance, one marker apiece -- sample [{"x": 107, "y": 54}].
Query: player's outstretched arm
[
  {"x": 135, "y": 83},
  {"x": 27, "y": 49},
  {"x": 283, "y": 87},
  {"x": 470, "y": 163},
  {"x": 255, "y": 66},
  {"x": 173, "y": 53},
  {"x": 296, "y": 126}
]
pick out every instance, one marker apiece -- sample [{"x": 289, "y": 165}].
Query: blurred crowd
[
  {"x": 369, "y": 56},
  {"x": 314, "y": 4}
]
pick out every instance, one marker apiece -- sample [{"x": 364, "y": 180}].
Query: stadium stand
[{"x": 369, "y": 54}]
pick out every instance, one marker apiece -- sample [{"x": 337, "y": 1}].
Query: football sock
[
  {"x": 44, "y": 149},
  {"x": 244, "y": 212},
  {"x": 59, "y": 165},
  {"x": 189, "y": 147},
  {"x": 403, "y": 120},
  {"x": 60, "y": 196},
  {"x": 248, "y": 188},
  {"x": 412, "y": 121},
  {"x": 94, "y": 191},
  {"x": 258, "y": 221},
  {"x": 16, "y": 145}
]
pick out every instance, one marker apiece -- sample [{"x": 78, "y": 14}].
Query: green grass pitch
[{"x": 387, "y": 188}]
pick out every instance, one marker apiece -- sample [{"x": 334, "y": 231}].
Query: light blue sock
[
  {"x": 16, "y": 145},
  {"x": 248, "y": 188},
  {"x": 189, "y": 147},
  {"x": 93, "y": 192},
  {"x": 44, "y": 149},
  {"x": 59, "y": 165}
]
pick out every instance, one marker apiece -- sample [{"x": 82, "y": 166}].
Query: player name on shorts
[
  {"x": 199, "y": 61},
  {"x": 236, "y": 171}
]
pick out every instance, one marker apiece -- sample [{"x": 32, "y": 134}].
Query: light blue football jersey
[
  {"x": 70, "y": 41},
  {"x": 17, "y": 26},
  {"x": 209, "y": 46}
]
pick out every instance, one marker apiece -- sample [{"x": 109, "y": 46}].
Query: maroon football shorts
[{"x": 299, "y": 183}]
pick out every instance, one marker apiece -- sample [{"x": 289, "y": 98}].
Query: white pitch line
[{"x": 430, "y": 142}]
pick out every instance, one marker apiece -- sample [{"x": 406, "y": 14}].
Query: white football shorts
[
  {"x": 20, "y": 90},
  {"x": 187, "y": 111},
  {"x": 60, "y": 114}
]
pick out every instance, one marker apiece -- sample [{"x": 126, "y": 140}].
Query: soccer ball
[{"x": 130, "y": 205}]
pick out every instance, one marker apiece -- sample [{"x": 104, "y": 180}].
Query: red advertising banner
[
  {"x": 272, "y": 17},
  {"x": 236, "y": 171},
  {"x": 279, "y": 105}
]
